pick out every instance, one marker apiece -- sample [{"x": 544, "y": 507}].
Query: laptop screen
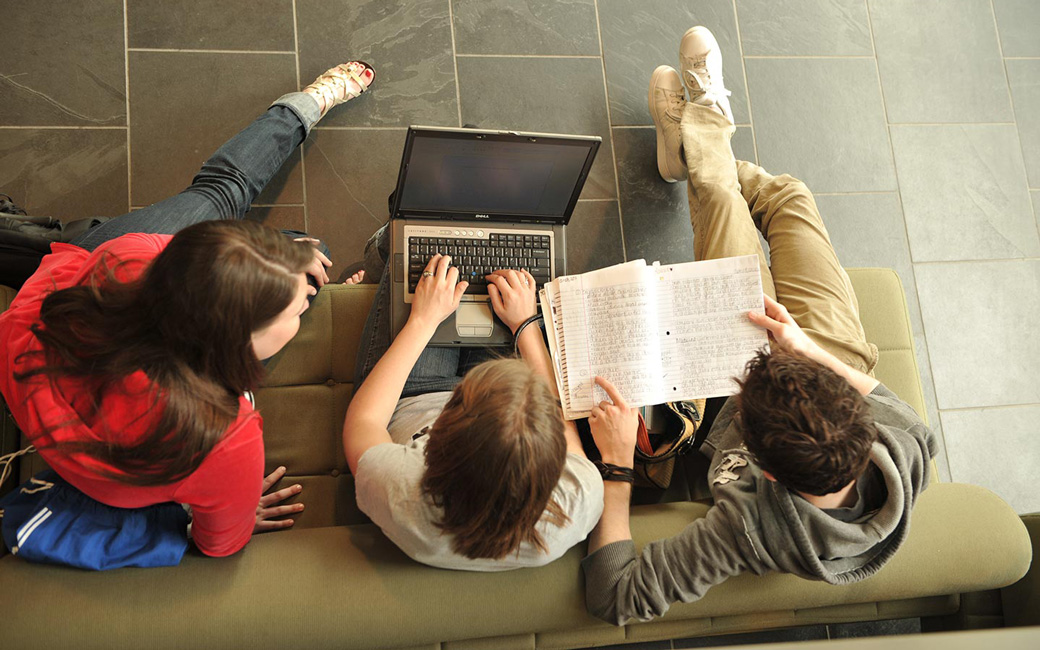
[{"x": 486, "y": 175}]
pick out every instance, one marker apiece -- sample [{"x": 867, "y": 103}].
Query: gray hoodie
[{"x": 759, "y": 525}]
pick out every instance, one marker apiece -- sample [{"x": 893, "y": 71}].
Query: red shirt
[{"x": 225, "y": 489}]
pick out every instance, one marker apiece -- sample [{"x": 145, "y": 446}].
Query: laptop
[{"x": 491, "y": 200}]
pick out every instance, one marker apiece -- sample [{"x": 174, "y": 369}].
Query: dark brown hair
[
  {"x": 187, "y": 322},
  {"x": 804, "y": 423},
  {"x": 494, "y": 457}
]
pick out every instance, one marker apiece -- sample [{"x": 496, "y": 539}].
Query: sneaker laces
[{"x": 703, "y": 86}]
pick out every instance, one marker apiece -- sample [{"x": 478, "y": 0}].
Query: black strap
[
  {"x": 520, "y": 330},
  {"x": 611, "y": 472}
]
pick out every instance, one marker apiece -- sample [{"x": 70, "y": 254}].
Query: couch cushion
[
  {"x": 883, "y": 312},
  {"x": 350, "y": 587}
]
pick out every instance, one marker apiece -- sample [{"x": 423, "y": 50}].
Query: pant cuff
[{"x": 303, "y": 105}]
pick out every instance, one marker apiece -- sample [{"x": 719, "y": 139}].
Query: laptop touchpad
[{"x": 474, "y": 319}]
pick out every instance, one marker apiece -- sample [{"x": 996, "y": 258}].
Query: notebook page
[
  {"x": 609, "y": 324},
  {"x": 706, "y": 337},
  {"x": 549, "y": 301}
]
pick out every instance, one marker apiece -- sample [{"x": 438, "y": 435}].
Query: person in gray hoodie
[{"x": 815, "y": 465}]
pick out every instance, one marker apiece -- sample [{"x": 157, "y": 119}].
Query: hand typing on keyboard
[
  {"x": 477, "y": 258},
  {"x": 512, "y": 296}
]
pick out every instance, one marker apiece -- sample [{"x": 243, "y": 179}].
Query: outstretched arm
[
  {"x": 373, "y": 404},
  {"x": 513, "y": 299},
  {"x": 785, "y": 331}
]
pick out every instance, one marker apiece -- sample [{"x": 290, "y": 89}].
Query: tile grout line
[
  {"x": 455, "y": 62},
  {"x": 952, "y": 124},
  {"x": 610, "y": 133},
  {"x": 126, "y": 77},
  {"x": 1003, "y": 65},
  {"x": 303, "y": 163},
  {"x": 995, "y": 259},
  {"x": 747, "y": 86},
  {"x": 906, "y": 232},
  {"x": 996, "y": 406},
  {"x": 1011, "y": 100},
  {"x": 83, "y": 128},
  {"x": 192, "y": 51},
  {"x": 807, "y": 56},
  {"x": 651, "y": 126},
  {"x": 360, "y": 128},
  {"x": 527, "y": 56}
]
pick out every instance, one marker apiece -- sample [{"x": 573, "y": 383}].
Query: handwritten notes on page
[
  {"x": 658, "y": 333},
  {"x": 706, "y": 337}
]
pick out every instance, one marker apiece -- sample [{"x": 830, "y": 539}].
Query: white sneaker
[
  {"x": 701, "y": 63},
  {"x": 667, "y": 101}
]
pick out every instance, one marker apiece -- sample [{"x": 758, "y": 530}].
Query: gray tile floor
[{"x": 915, "y": 121}]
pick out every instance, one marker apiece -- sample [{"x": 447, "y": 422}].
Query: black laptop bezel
[{"x": 591, "y": 142}]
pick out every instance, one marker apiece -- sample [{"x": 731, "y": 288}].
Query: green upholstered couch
[{"x": 335, "y": 581}]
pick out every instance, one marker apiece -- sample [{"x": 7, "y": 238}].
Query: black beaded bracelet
[
  {"x": 615, "y": 472},
  {"x": 520, "y": 330}
]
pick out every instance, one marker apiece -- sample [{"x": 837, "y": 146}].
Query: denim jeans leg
[
  {"x": 435, "y": 370},
  {"x": 228, "y": 182}
]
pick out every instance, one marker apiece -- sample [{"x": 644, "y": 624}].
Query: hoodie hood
[{"x": 787, "y": 533}]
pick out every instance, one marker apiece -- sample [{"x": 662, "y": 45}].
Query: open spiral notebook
[{"x": 659, "y": 333}]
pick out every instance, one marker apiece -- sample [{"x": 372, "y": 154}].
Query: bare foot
[{"x": 356, "y": 278}]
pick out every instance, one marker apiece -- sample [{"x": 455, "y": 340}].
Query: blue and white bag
[{"x": 49, "y": 521}]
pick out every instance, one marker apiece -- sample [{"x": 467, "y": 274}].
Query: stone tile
[
  {"x": 282, "y": 217},
  {"x": 743, "y": 144},
  {"x": 822, "y": 121},
  {"x": 514, "y": 94},
  {"x": 525, "y": 27},
  {"x": 804, "y": 27},
  {"x": 875, "y": 628},
  {"x": 639, "y": 35},
  {"x": 346, "y": 194},
  {"x": 655, "y": 215},
  {"x": 980, "y": 318},
  {"x": 594, "y": 237},
  {"x": 1024, "y": 77},
  {"x": 184, "y": 106},
  {"x": 408, "y": 44},
  {"x": 939, "y": 61},
  {"x": 1017, "y": 22},
  {"x": 253, "y": 25},
  {"x": 996, "y": 448},
  {"x": 63, "y": 64},
  {"x": 786, "y": 635},
  {"x": 868, "y": 230},
  {"x": 65, "y": 173},
  {"x": 964, "y": 192}
]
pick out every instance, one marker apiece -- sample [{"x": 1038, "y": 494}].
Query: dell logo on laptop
[{"x": 483, "y": 216}]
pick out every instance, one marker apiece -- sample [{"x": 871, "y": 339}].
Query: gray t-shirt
[{"x": 388, "y": 491}]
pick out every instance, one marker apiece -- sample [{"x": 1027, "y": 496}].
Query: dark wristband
[
  {"x": 520, "y": 330},
  {"x": 615, "y": 472}
]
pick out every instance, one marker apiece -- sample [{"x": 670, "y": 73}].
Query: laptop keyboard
[{"x": 476, "y": 258}]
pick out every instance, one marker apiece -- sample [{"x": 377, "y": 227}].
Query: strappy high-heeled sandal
[{"x": 333, "y": 87}]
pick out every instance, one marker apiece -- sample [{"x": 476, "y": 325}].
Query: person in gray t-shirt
[
  {"x": 815, "y": 465},
  {"x": 478, "y": 472}
]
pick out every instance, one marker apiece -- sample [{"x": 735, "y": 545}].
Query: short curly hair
[{"x": 804, "y": 423}]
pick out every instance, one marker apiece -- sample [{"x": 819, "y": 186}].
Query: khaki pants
[{"x": 729, "y": 199}]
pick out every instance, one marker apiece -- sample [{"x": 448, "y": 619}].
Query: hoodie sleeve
[
  {"x": 621, "y": 585},
  {"x": 890, "y": 410}
]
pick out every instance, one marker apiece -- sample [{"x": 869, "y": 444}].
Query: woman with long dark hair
[{"x": 129, "y": 357}]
